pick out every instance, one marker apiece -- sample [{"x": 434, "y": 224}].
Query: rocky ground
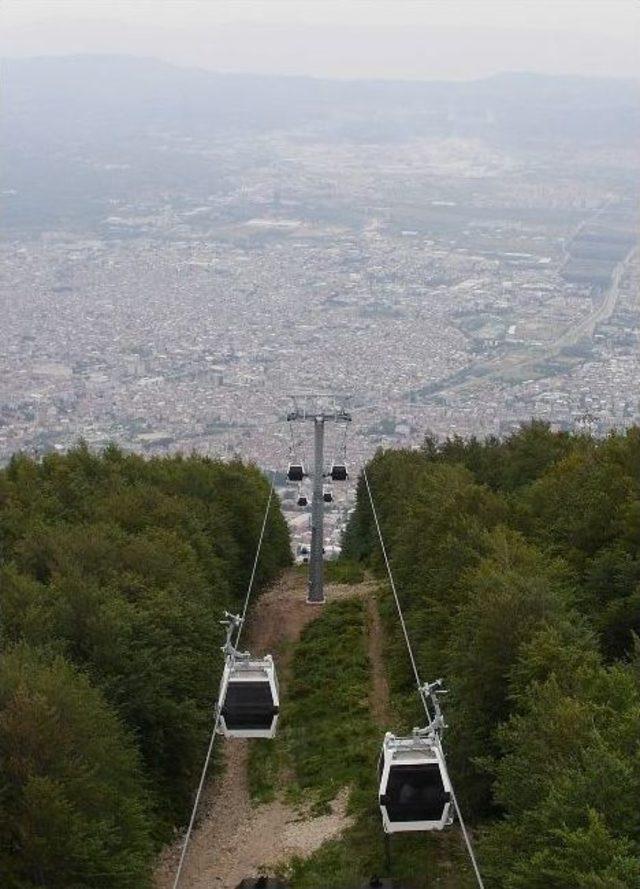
[{"x": 235, "y": 837}]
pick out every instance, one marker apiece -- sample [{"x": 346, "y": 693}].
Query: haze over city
[
  {"x": 376, "y": 39},
  {"x": 189, "y": 234}
]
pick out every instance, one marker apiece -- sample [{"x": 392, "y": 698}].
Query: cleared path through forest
[
  {"x": 236, "y": 837},
  {"x": 375, "y": 646}
]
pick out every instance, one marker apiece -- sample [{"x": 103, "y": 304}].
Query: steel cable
[
  {"x": 419, "y": 683},
  {"x": 212, "y": 739}
]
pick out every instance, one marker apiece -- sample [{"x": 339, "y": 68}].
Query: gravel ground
[{"x": 237, "y": 838}]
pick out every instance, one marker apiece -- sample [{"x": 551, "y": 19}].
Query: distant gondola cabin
[
  {"x": 339, "y": 472},
  {"x": 295, "y": 473}
]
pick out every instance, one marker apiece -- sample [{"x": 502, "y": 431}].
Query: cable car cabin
[
  {"x": 249, "y": 700},
  {"x": 302, "y": 500},
  {"x": 295, "y": 473},
  {"x": 339, "y": 472},
  {"x": 415, "y": 791},
  {"x": 302, "y": 555},
  {"x": 327, "y": 495}
]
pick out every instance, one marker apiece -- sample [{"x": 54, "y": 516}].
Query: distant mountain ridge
[
  {"x": 82, "y": 134},
  {"x": 49, "y": 94}
]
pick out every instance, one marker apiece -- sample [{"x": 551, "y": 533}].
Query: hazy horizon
[
  {"x": 185, "y": 66},
  {"x": 134, "y": 57},
  {"x": 351, "y": 40}
]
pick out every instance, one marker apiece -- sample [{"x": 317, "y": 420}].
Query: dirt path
[
  {"x": 237, "y": 838},
  {"x": 379, "y": 683}
]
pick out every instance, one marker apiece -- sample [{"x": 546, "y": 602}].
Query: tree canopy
[
  {"x": 114, "y": 573},
  {"x": 517, "y": 563}
]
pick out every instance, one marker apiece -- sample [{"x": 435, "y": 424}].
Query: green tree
[
  {"x": 510, "y": 594},
  {"x": 569, "y": 775},
  {"x": 75, "y": 812}
]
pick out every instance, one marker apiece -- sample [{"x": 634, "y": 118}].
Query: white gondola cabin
[
  {"x": 295, "y": 473},
  {"x": 249, "y": 700},
  {"x": 339, "y": 472},
  {"x": 302, "y": 555},
  {"x": 415, "y": 791}
]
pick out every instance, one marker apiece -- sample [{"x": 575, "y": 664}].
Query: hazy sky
[{"x": 339, "y": 38}]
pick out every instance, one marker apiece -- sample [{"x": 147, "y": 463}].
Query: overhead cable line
[
  {"x": 393, "y": 584},
  {"x": 256, "y": 559},
  {"x": 422, "y": 688},
  {"x": 216, "y": 723}
]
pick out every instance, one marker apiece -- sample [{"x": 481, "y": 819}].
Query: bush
[{"x": 344, "y": 571}]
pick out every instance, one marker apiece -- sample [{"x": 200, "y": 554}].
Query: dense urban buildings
[{"x": 447, "y": 282}]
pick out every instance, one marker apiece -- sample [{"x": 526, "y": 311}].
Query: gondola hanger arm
[{"x": 232, "y": 622}]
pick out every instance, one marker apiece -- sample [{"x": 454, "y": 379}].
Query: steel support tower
[{"x": 315, "y": 594}]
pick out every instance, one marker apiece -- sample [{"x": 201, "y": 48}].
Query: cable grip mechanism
[
  {"x": 232, "y": 622},
  {"x": 430, "y": 693}
]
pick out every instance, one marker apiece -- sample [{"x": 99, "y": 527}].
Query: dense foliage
[
  {"x": 518, "y": 564},
  {"x": 329, "y": 734},
  {"x": 114, "y": 572},
  {"x": 332, "y": 741}
]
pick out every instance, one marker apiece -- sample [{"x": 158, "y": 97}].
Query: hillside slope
[
  {"x": 238, "y": 836},
  {"x": 518, "y": 568},
  {"x": 115, "y": 572}
]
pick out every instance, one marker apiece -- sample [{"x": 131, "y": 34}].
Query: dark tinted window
[
  {"x": 248, "y": 705},
  {"x": 415, "y": 793}
]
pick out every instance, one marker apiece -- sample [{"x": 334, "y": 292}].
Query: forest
[
  {"x": 114, "y": 574},
  {"x": 517, "y": 564}
]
